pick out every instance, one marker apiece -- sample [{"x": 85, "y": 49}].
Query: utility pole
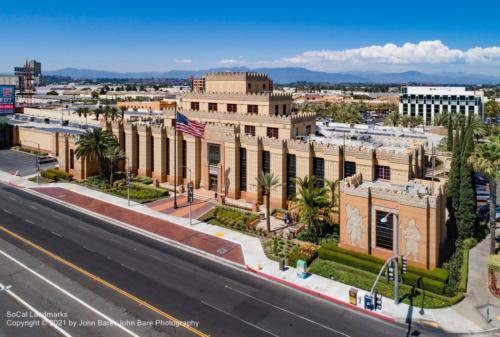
[{"x": 190, "y": 197}]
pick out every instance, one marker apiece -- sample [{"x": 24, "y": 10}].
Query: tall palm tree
[
  {"x": 268, "y": 182},
  {"x": 123, "y": 109},
  {"x": 113, "y": 154},
  {"x": 97, "y": 112},
  {"x": 332, "y": 188},
  {"x": 393, "y": 118},
  {"x": 312, "y": 204},
  {"x": 82, "y": 111},
  {"x": 486, "y": 159},
  {"x": 93, "y": 145},
  {"x": 479, "y": 129},
  {"x": 113, "y": 113}
]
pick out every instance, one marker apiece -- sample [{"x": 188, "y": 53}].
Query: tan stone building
[
  {"x": 146, "y": 105},
  {"x": 420, "y": 206},
  {"x": 250, "y": 129}
]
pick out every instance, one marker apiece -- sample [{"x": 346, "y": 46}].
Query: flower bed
[{"x": 233, "y": 218}]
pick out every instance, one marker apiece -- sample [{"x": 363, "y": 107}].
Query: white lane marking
[
  {"x": 112, "y": 321},
  {"x": 37, "y": 313},
  {"x": 56, "y": 234},
  {"x": 12, "y": 198},
  {"x": 125, "y": 266},
  {"x": 87, "y": 248},
  {"x": 29, "y": 221},
  {"x": 239, "y": 319},
  {"x": 287, "y": 311},
  {"x": 6, "y": 211},
  {"x": 156, "y": 257},
  {"x": 31, "y": 206},
  {"x": 83, "y": 227}
]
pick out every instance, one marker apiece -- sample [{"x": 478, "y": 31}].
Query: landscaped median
[
  {"x": 420, "y": 287},
  {"x": 140, "y": 188}
]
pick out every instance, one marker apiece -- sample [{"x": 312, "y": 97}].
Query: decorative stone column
[
  {"x": 171, "y": 153},
  {"x": 333, "y": 163},
  {"x": 117, "y": 129},
  {"x": 160, "y": 153},
  {"x": 193, "y": 160},
  {"x": 232, "y": 167},
  {"x": 254, "y": 166},
  {"x": 131, "y": 147},
  {"x": 145, "y": 146},
  {"x": 278, "y": 168}
]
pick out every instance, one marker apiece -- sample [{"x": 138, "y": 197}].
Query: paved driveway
[{"x": 25, "y": 163}]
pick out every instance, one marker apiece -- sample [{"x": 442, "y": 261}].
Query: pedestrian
[{"x": 285, "y": 218}]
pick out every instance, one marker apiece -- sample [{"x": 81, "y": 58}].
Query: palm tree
[
  {"x": 479, "y": 129},
  {"x": 332, "y": 188},
  {"x": 84, "y": 111},
  {"x": 113, "y": 154},
  {"x": 405, "y": 121},
  {"x": 492, "y": 110},
  {"x": 122, "y": 111},
  {"x": 486, "y": 159},
  {"x": 113, "y": 113},
  {"x": 268, "y": 182},
  {"x": 441, "y": 119},
  {"x": 93, "y": 145},
  {"x": 312, "y": 204},
  {"x": 97, "y": 112},
  {"x": 394, "y": 118}
]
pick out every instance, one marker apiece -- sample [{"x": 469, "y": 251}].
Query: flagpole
[{"x": 175, "y": 161}]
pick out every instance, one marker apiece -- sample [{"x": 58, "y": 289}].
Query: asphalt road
[
  {"x": 24, "y": 163},
  {"x": 224, "y": 300}
]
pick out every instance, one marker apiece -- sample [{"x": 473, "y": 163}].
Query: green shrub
[
  {"x": 143, "y": 179},
  {"x": 373, "y": 265},
  {"x": 470, "y": 243},
  {"x": 364, "y": 280},
  {"x": 464, "y": 271},
  {"x": 56, "y": 175},
  {"x": 438, "y": 274},
  {"x": 296, "y": 254}
]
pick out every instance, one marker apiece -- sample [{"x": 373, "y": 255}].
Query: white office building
[{"x": 427, "y": 102}]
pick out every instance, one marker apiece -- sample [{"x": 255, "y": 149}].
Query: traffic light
[
  {"x": 378, "y": 301},
  {"x": 404, "y": 264},
  {"x": 390, "y": 273},
  {"x": 190, "y": 192}
]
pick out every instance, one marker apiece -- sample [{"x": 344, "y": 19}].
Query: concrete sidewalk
[{"x": 456, "y": 319}]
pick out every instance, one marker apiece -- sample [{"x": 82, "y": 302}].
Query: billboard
[{"x": 7, "y": 99}]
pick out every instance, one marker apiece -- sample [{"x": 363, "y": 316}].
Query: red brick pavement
[
  {"x": 166, "y": 205},
  {"x": 208, "y": 243}
]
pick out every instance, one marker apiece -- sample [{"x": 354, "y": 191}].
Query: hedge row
[
  {"x": 55, "y": 175},
  {"x": 437, "y": 274},
  {"x": 374, "y": 266},
  {"x": 464, "y": 271}
]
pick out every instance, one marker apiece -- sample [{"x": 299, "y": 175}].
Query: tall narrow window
[
  {"x": 290, "y": 174},
  {"x": 243, "y": 169},
  {"x": 276, "y": 109},
  {"x": 319, "y": 171},
  {"x": 213, "y": 154},
  {"x": 71, "y": 159},
  {"x": 184, "y": 159},
  {"x": 349, "y": 169},
  {"x": 266, "y": 161},
  {"x": 384, "y": 230}
]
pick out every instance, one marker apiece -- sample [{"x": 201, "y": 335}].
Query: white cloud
[
  {"x": 184, "y": 61},
  {"x": 229, "y": 61},
  {"x": 423, "y": 52}
]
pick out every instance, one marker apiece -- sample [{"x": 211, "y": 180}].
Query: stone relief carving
[
  {"x": 411, "y": 235},
  {"x": 354, "y": 225}
]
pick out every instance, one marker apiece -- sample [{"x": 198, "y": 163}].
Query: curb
[{"x": 318, "y": 294}]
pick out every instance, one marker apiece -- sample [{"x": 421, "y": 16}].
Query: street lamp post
[{"x": 396, "y": 253}]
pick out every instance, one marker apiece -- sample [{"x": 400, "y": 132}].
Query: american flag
[{"x": 183, "y": 124}]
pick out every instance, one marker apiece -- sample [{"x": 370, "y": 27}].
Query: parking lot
[{"x": 25, "y": 163}]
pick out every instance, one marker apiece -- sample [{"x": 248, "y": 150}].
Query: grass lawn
[{"x": 364, "y": 280}]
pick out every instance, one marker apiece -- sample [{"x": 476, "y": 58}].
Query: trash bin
[{"x": 282, "y": 264}]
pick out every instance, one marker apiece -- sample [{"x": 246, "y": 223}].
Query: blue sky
[{"x": 431, "y": 36}]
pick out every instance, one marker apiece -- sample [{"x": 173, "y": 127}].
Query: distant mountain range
[{"x": 294, "y": 74}]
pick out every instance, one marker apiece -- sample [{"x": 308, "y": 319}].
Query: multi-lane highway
[{"x": 63, "y": 262}]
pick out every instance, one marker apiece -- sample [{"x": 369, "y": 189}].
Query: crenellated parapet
[
  {"x": 235, "y": 76},
  {"x": 359, "y": 152},
  {"x": 299, "y": 145}
]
